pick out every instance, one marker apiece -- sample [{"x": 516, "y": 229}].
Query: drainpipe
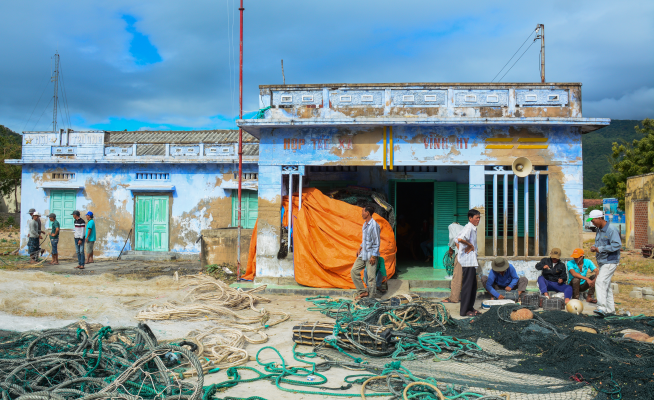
[{"x": 240, "y": 145}]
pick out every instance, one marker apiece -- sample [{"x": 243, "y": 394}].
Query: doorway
[
  {"x": 414, "y": 230},
  {"x": 426, "y": 206},
  {"x": 151, "y": 223}
]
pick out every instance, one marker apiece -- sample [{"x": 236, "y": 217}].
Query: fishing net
[
  {"x": 94, "y": 362},
  {"x": 551, "y": 356},
  {"x": 361, "y": 197}
]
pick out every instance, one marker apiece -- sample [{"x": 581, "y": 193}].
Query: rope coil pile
[
  {"x": 212, "y": 300},
  {"x": 93, "y": 362}
]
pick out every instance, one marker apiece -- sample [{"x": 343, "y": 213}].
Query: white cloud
[{"x": 638, "y": 104}]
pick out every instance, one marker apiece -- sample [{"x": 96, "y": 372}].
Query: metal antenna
[
  {"x": 55, "y": 79},
  {"x": 541, "y": 36},
  {"x": 283, "y": 77}
]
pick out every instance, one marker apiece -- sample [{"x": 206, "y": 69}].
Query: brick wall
[{"x": 640, "y": 223}]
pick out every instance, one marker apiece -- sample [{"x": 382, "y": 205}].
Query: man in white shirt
[
  {"x": 367, "y": 255},
  {"x": 455, "y": 284},
  {"x": 467, "y": 258}
]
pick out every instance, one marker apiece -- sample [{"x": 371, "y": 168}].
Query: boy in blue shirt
[
  {"x": 90, "y": 237},
  {"x": 582, "y": 275},
  {"x": 504, "y": 277}
]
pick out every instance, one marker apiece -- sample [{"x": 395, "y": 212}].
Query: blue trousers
[
  {"x": 548, "y": 286},
  {"x": 79, "y": 248}
]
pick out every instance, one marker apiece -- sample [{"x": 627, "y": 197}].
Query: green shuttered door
[
  {"x": 249, "y": 208},
  {"x": 62, "y": 203},
  {"x": 451, "y": 204},
  {"x": 151, "y": 223}
]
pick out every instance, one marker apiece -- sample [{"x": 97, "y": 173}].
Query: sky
[{"x": 167, "y": 65}]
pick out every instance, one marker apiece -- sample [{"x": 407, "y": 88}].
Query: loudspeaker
[{"x": 522, "y": 167}]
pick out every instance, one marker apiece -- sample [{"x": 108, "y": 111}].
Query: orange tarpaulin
[{"x": 326, "y": 237}]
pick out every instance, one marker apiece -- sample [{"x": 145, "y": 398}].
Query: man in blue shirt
[
  {"x": 582, "y": 275},
  {"x": 90, "y": 237},
  {"x": 503, "y": 276}
]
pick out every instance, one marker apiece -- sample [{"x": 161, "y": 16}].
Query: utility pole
[
  {"x": 541, "y": 36},
  {"x": 55, "y": 78},
  {"x": 283, "y": 77},
  {"x": 240, "y": 145}
]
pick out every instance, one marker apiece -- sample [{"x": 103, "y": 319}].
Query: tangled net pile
[
  {"x": 363, "y": 197},
  {"x": 209, "y": 299},
  {"x": 93, "y": 362},
  {"x": 407, "y": 348},
  {"x": 550, "y": 346}
]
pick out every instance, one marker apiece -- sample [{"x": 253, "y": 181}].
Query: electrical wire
[
  {"x": 65, "y": 95},
  {"x": 37, "y": 121},
  {"x": 516, "y": 52},
  {"x": 516, "y": 61},
  {"x": 47, "y": 83}
]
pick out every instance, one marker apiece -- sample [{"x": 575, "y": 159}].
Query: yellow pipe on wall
[
  {"x": 384, "y": 143},
  {"x": 391, "y": 149}
]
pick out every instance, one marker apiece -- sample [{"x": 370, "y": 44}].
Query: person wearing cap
[
  {"x": 90, "y": 237},
  {"x": 54, "y": 238},
  {"x": 38, "y": 221},
  {"x": 554, "y": 277},
  {"x": 33, "y": 236},
  {"x": 581, "y": 275},
  {"x": 503, "y": 276},
  {"x": 79, "y": 238},
  {"x": 607, "y": 246}
]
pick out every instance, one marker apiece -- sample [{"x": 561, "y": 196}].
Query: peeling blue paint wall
[{"x": 201, "y": 199}]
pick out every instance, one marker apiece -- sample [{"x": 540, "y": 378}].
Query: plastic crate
[
  {"x": 553, "y": 304},
  {"x": 531, "y": 300}
]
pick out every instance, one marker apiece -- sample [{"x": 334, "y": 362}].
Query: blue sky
[{"x": 173, "y": 65}]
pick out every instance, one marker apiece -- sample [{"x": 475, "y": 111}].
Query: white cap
[
  {"x": 36, "y": 213},
  {"x": 595, "y": 214}
]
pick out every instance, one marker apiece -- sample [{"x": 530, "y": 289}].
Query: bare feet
[{"x": 358, "y": 297}]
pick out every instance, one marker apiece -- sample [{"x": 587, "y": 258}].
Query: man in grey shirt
[
  {"x": 367, "y": 255},
  {"x": 33, "y": 236},
  {"x": 607, "y": 246}
]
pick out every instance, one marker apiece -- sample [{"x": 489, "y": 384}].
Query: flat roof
[
  {"x": 254, "y": 126},
  {"x": 469, "y": 85}
]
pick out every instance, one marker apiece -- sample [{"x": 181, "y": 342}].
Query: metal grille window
[
  {"x": 514, "y": 208},
  {"x": 63, "y": 176},
  {"x": 152, "y": 176},
  {"x": 248, "y": 176}
]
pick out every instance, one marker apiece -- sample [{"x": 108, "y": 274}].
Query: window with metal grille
[
  {"x": 249, "y": 176},
  {"x": 63, "y": 176},
  {"x": 152, "y": 176}
]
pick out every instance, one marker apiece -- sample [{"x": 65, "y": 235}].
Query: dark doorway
[{"x": 414, "y": 207}]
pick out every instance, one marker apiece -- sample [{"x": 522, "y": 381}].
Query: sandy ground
[{"x": 32, "y": 299}]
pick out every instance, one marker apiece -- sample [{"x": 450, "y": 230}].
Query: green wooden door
[
  {"x": 249, "y": 208},
  {"x": 151, "y": 223},
  {"x": 451, "y": 204},
  {"x": 62, "y": 204}
]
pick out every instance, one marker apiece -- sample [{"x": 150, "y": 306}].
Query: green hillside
[
  {"x": 13, "y": 136},
  {"x": 597, "y": 149}
]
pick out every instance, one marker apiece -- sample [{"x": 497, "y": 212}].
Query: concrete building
[
  {"x": 435, "y": 150},
  {"x": 159, "y": 189},
  {"x": 639, "y": 211}
]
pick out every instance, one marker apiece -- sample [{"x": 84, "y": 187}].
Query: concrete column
[
  {"x": 477, "y": 182},
  {"x": 565, "y": 202},
  {"x": 269, "y": 225}
]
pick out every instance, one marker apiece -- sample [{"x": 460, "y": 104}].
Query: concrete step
[{"x": 148, "y": 256}]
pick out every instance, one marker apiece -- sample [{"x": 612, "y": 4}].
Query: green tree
[
  {"x": 11, "y": 145},
  {"x": 630, "y": 160},
  {"x": 591, "y": 194}
]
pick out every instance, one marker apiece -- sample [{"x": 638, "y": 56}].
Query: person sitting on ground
[
  {"x": 554, "y": 276},
  {"x": 503, "y": 276},
  {"x": 54, "y": 238},
  {"x": 582, "y": 275}
]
